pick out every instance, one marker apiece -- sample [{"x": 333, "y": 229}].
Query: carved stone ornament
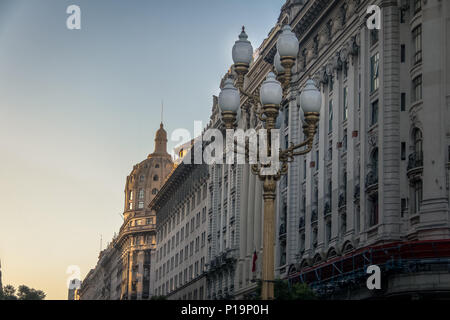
[
  {"x": 337, "y": 63},
  {"x": 324, "y": 37},
  {"x": 329, "y": 69},
  {"x": 337, "y": 23},
  {"x": 310, "y": 53},
  {"x": 323, "y": 75},
  {"x": 344, "y": 54},
  {"x": 372, "y": 140},
  {"x": 351, "y": 8}
]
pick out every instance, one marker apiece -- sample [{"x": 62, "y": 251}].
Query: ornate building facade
[
  {"x": 374, "y": 189},
  {"x": 123, "y": 268},
  {"x": 377, "y": 178},
  {"x": 181, "y": 210},
  {"x": 373, "y": 182}
]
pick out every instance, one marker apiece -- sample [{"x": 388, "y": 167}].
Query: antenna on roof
[{"x": 162, "y": 110}]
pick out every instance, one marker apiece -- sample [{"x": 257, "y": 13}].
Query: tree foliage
[{"x": 23, "y": 293}]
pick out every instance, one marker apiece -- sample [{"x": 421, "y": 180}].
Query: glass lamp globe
[
  {"x": 242, "y": 50},
  {"x": 279, "y": 121},
  {"x": 271, "y": 91},
  {"x": 277, "y": 63},
  {"x": 287, "y": 43},
  {"x": 310, "y": 100},
  {"x": 229, "y": 99}
]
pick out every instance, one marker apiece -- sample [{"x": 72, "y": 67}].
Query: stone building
[
  {"x": 377, "y": 180},
  {"x": 181, "y": 229},
  {"x": 224, "y": 224},
  {"x": 123, "y": 269}
]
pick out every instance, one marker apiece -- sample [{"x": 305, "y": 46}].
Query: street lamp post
[{"x": 270, "y": 97}]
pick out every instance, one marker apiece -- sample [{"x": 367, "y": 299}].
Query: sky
[{"x": 78, "y": 108}]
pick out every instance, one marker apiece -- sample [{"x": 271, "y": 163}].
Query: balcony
[
  {"x": 371, "y": 181},
  {"x": 415, "y": 164}
]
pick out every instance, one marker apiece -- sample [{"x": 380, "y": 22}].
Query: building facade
[
  {"x": 123, "y": 268},
  {"x": 378, "y": 175},
  {"x": 181, "y": 210},
  {"x": 372, "y": 182}
]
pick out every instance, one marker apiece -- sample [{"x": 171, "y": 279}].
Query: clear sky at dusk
[{"x": 78, "y": 108}]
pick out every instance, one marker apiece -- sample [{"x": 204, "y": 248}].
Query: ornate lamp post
[{"x": 270, "y": 96}]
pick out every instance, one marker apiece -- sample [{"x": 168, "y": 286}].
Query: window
[
  {"x": 155, "y": 191},
  {"x": 304, "y": 169},
  {"x": 417, "y": 6},
  {"x": 155, "y": 177},
  {"x": 286, "y": 117},
  {"x": 317, "y": 160},
  {"x": 418, "y": 143},
  {"x": 141, "y": 178},
  {"x": 374, "y": 162},
  {"x": 374, "y": 72},
  {"x": 345, "y": 115},
  {"x": 373, "y": 210},
  {"x": 141, "y": 193},
  {"x": 330, "y": 116},
  {"x": 417, "y": 40},
  {"x": 157, "y": 166},
  {"x": 328, "y": 231},
  {"x": 418, "y": 194},
  {"x": 374, "y": 113},
  {"x": 344, "y": 140},
  {"x": 141, "y": 205},
  {"x": 417, "y": 88},
  {"x": 374, "y": 36},
  {"x": 403, "y": 151},
  {"x": 403, "y": 102}
]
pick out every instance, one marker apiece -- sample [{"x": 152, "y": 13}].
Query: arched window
[
  {"x": 155, "y": 177},
  {"x": 418, "y": 142},
  {"x": 374, "y": 162}
]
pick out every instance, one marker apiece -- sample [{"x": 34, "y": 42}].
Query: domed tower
[
  {"x": 147, "y": 177},
  {"x": 137, "y": 236}
]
